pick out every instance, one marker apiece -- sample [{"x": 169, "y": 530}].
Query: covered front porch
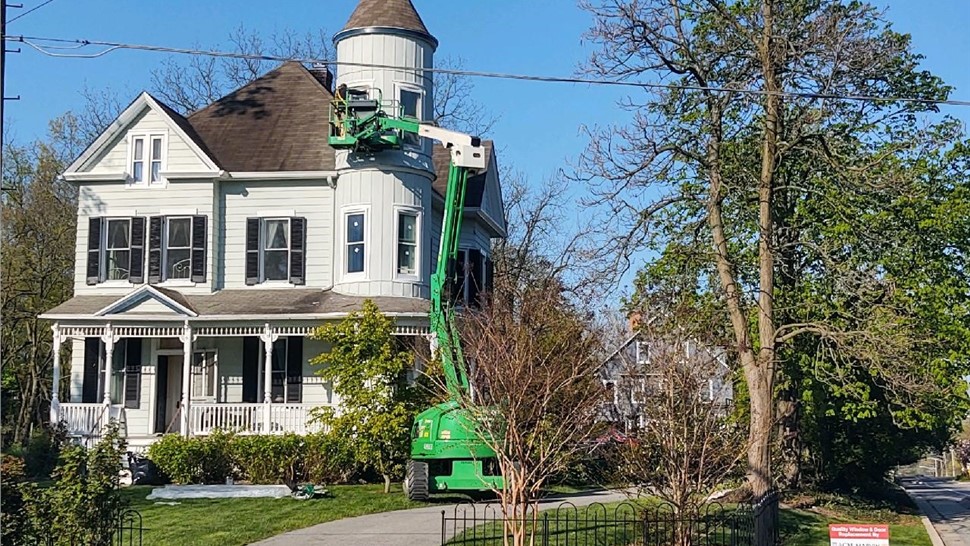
[{"x": 183, "y": 373}]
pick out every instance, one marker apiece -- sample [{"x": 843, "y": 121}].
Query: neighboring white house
[
  {"x": 210, "y": 246},
  {"x": 631, "y": 373}
]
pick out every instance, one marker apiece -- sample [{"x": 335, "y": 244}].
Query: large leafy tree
[
  {"x": 39, "y": 215},
  {"x": 711, "y": 175}
]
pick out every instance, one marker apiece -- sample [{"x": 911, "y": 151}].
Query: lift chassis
[{"x": 447, "y": 454}]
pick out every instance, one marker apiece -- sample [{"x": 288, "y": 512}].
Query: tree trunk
[{"x": 387, "y": 483}]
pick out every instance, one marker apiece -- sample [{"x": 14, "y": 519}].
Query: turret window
[
  {"x": 355, "y": 243},
  {"x": 412, "y": 107},
  {"x": 407, "y": 243}
]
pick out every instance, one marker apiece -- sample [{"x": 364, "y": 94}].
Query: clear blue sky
[{"x": 539, "y": 127}]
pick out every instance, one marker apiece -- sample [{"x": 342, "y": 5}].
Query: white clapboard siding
[
  {"x": 310, "y": 199},
  {"x": 117, "y": 199},
  {"x": 178, "y": 156}
]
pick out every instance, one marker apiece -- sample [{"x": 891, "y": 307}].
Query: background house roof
[
  {"x": 476, "y": 184},
  {"x": 279, "y": 122},
  {"x": 389, "y": 14}
]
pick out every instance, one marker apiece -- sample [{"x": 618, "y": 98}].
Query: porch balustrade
[
  {"x": 83, "y": 419},
  {"x": 245, "y": 419}
]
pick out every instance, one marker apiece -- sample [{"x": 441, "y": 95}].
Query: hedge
[{"x": 269, "y": 459}]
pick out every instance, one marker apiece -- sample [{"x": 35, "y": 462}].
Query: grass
[
  {"x": 232, "y": 522},
  {"x": 799, "y": 527}
]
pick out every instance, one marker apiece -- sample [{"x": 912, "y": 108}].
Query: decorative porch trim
[
  {"x": 143, "y": 293},
  {"x": 176, "y": 331}
]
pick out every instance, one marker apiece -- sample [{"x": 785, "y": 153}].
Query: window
[
  {"x": 411, "y": 107},
  {"x": 178, "y": 248},
  {"x": 643, "y": 352},
  {"x": 118, "y": 249},
  {"x": 355, "y": 243},
  {"x": 138, "y": 160},
  {"x": 146, "y": 159},
  {"x": 276, "y": 249},
  {"x": 407, "y": 243},
  {"x": 118, "y": 373},
  {"x": 204, "y": 375}
]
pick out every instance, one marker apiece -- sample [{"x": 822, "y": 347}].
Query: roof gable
[
  {"x": 128, "y": 118},
  {"x": 278, "y": 122},
  {"x": 484, "y": 191},
  {"x": 149, "y": 300}
]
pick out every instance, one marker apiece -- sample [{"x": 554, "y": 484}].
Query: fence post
[
  {"x": 444, "y": 530},
  {"x": 545, "y": 529}
]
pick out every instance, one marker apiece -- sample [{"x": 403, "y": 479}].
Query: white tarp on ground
[{"x": 180, "y": 492}]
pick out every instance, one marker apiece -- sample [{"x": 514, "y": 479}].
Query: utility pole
[{"x": 3, "y": 75}]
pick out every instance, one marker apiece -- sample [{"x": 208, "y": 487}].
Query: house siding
[
  {"x": 117, "y": 199},
  {"x": 178, "y": 156},
  {"x": 313, "y": 200}
]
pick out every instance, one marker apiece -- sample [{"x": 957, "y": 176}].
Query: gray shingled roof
[
  {"x": 387, "y": 13},
  {"x": 254, "y": 302},
  {"x": 279, "y": 122}
]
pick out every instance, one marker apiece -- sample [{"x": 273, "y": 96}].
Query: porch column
[
  {"x": 269, "y": 336},
  {"x": 55, "y": 388},
  {"x": 187, "y": 339},
  {"x": 108, "y": 338}
]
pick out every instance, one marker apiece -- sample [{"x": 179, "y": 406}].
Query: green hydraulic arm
[{"x": 375, "y": 131}]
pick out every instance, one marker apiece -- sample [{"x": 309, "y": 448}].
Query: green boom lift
[{"x": 446, "y": 453}]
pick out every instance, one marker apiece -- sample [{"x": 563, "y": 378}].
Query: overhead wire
[
  {"x": 115, "y": 46},
  {"x": 31, "y": 10}
]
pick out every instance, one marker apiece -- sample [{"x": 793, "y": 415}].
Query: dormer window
[{"x": 147, "y": 154}]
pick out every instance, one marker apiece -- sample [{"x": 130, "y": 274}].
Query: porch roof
[{"x": 228, "y": 304}]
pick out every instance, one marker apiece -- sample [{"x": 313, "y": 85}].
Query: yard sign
[{"x": 849, "y": 534}]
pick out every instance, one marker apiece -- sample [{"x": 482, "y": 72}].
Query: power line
[
  {"x": 31, "y": 10},
  {"x": 115, "y": 46}
]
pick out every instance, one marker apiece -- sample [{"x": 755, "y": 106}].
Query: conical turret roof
[{"x": 395, "y": 14}]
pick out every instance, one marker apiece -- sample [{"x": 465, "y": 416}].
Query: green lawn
[
  {"x": 805, "y": 528},
  {"x": 232, "y": 522}
]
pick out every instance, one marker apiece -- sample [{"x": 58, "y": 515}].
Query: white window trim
[
  {"x": 419, "y": 239},
  {"x": 103, "y": 258},
  {"x": 343, "y": 261},
  {"x": 414, "y": 88},
  {"x": 262, "y": 248},
  {"x": 146, "y": 173}
]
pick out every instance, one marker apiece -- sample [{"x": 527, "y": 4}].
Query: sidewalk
[{"x": 416, "y": 527}]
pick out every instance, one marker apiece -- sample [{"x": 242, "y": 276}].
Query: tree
[
  {"x": 536, "y": 397},
  {"x": 685, "y": 444},
  {"x": 370, "y": 374},
  {"x": 706, "y": 165},
  {"x": 39, "y": 216}
]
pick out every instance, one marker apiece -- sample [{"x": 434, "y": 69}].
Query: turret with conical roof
[{"x": 379, "y": 195}]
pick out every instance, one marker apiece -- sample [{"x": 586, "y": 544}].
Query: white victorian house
[{"x": 210, "y": 246}]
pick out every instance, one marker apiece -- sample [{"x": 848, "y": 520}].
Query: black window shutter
[
  {"x": 294, "y": 370},
  {"x": 155, "y": 249},
  {"x": 198, "y": 248},
  {"x": 250, "y": 369},
  {"x": 94, "y": 250},
  {"x": 489, "y": 275},
  {"x": 137, "y": 265},
  {"x": 132, "y": 347},
  {"x": 252, "y": 251},
  {"x": 298, "y": 251},
  {"x": 474, "y": 276},
  {"x": 92, "y": 368}
]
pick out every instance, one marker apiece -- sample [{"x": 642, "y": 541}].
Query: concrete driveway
[
  {"x": 416, "y": 527},
  {"x": 946, "y": 503}
]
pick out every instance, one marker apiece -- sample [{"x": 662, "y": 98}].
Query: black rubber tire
[{"x": 416, "y": 481}]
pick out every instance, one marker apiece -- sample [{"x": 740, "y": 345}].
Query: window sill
[
  {"x": 274, "y": 284},
  {"x": 145, "y": 185},
  {"x": 407, "y": 278},
  {"x": 115, "y": 284},
  {"x": 179, "y": 283}
]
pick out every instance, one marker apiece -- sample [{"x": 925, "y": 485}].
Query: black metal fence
[
  {"x": 624, "y": 524},
  {"x": 127, "y": 531}
]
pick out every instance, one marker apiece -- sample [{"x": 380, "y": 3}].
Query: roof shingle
[
  {"x": 387, "y": 13},
  {"x": 279, "y": 122}
]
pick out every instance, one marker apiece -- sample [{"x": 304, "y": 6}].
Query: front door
[{"x": 168, "y": 394}]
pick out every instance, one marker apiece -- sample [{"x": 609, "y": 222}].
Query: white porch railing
[
  {"x": 83, "y": 419},
  {"x": 205, "y": 418}
]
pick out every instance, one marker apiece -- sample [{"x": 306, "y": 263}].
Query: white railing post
[
  {"x": 55, "y": 387},
  {"x": 108, "y": 338},
  {"x": 187, "y": 339},
  {"x": 269, "y": 336}
]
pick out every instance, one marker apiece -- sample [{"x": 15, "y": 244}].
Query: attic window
[{"x": 146, "y": 156}]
